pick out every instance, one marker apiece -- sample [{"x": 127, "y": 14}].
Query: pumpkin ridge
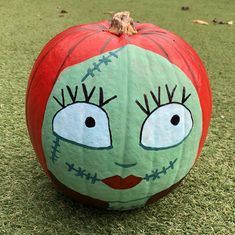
[
  {"x": 41, "y": 59},
  {"x": 186, "y": 63},
  {"x": 106, "y": 44},
  {"x": 71, "y": 51},
  {"x": 163, "y": 50}
]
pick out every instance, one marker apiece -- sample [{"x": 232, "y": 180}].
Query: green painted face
[{"x": 122, "y": 126}]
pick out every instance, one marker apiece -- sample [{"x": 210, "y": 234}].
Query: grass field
[{"x": 29, "y": 204}]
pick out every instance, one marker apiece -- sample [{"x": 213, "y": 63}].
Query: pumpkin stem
[{"x": 122, "y": 23}]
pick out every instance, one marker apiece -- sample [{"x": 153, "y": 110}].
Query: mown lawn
[{"x": 29, "y": 204}]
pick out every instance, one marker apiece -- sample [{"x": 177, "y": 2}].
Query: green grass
[{"x": 29, "y": 204}]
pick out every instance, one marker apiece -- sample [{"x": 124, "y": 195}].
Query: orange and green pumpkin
[{"x": 118, "y": 119}]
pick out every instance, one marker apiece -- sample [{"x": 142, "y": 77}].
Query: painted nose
[{"x": 125, "y": 165}]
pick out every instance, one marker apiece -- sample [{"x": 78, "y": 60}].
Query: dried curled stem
[{"x": 122, "y": 23}]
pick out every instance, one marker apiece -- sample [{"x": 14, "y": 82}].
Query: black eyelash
[
  {"x": 157, "y": 99},
  {"x": 73, "y": 96},
  {"x": 101, "y": 98},
  {"x": 183, "y": 96},
  {"x": 62, "y": 104},
  {"x": 87, "y": 97},
  {"x": 170, "y": 94}
]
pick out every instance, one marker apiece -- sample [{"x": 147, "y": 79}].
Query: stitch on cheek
[
  {"x": 156, "y": 174},
  {"x": 82, "y": 173},
  {"x": 172, "y": 164},
  {"x": 54, "y": 156},
  {"x": 164, "y": 171}
]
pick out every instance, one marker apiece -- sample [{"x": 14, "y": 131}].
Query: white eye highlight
[
  {"x": 166, "y": 126},
  {"x": 84, "y": 124}
]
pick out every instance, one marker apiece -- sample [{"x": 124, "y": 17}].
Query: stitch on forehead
[{"x": 104, "y": 60}]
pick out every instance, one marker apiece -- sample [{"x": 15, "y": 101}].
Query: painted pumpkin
[{"x": 118, "y": 115}]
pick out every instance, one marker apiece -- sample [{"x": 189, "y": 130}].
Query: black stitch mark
[
  {"x": 184, "y": 99},
  {"x": 103, "y": 60},
  {"x": 82, "y": 173},
  {"x": 62, "y": 104},
  {"x": 156, "y": 174},
  {"x": 55, "y": 150},
  {"x": 170, "y": 94}
]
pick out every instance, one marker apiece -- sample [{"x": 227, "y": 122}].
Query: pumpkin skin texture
[{"x": 117, "y": 121}]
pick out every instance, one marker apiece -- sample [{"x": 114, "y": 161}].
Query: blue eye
[
  {"x": 166, "y": 126},
  {"x": 84, "y": 124}
]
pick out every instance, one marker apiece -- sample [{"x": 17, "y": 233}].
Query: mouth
[{"x": 117, "y": 182}]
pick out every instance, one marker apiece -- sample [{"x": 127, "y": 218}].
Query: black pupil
[
  {"x": 90, "y": 122},
  {"x": 175, "y": 120}
]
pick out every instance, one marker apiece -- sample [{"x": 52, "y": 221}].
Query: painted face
[{"x": 122, "y": 126}]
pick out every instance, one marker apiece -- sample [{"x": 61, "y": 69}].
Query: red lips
[{"x": 117, "y": 182}]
